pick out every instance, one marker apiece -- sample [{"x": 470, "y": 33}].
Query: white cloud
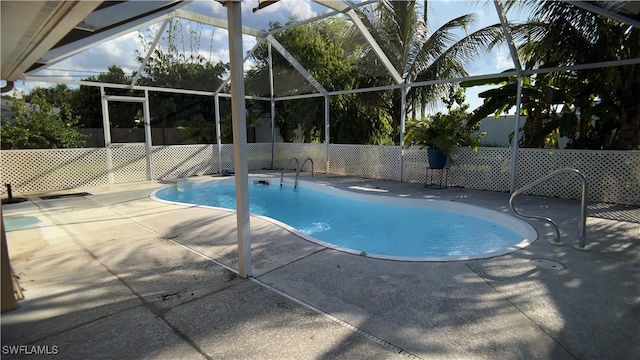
[
  {"x": 218, "y": 35},
  {"x": 248, "y": 65},
  {"x": 214, "y": 41},
  {"x": 503, "y": 60},
  {"x": 248, "y": 42},
  {"x": 223, "y": 54},
  {"x": 24, "y": 87},
  {"x": 301, "y": 9},
  {"x": 208, "y": 7},
  {"x": 97, "y": 59}
]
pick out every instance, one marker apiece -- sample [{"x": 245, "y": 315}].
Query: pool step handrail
[
  {"x": 295, "y": 185},
  {"x": 583, "y": 208},
  {"x": 287, "y": 166}
]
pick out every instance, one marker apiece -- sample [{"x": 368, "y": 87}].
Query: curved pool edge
[{"x": 526, "y": 230}]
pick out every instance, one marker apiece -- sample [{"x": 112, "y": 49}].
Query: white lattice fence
[
  {"x": 485, "y": 169},
  {"x": 286, "y": 151},
  {"x": 129, "y": 163},
  {"x": 375, "y": 162},
  {"x": 613, "y": 176},
  {"x": 415, "y": 161},
  {"x": 44, "y": 170},
  {"x": 258, "y": 156},
  {"x": 226, "y": 157},
  {"x": 171, "y": 162}
]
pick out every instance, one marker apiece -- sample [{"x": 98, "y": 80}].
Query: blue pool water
[{"x": 384, "y": 227}]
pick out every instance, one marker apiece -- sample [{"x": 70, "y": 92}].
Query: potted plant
[{"x": 440, "y": 133}]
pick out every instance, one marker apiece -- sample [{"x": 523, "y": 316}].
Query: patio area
[{"x": 116, "y": 275}]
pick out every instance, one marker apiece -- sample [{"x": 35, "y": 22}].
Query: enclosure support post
[
  {"x": 273, "y": 109},
  {"x": 238, "y": 114},
  {"x": 403, "y": 116},
  {"x": 147, "y": 135},
  {"x": 327, "y": 134},
  {"x": 273, "y": 133},
  {"x": 107, "y": 133},
  {"x": 216, "y": 101},
  {"x": 516, "y": 138},
  {"x": 516, "y": 62}
]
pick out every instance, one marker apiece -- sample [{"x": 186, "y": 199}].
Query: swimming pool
[{"x": 376, "y": 226}]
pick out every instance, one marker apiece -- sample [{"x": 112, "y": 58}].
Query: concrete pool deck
[{"x": 116, "y": 275}]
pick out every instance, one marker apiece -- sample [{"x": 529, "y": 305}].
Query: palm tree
[
  {"x": 401, "y": 30},
  {"x": 562, "y": 34}
]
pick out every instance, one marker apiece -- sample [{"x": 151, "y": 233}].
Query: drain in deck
[{"x": 547, "y": 264}]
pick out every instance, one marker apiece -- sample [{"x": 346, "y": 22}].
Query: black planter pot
[{"x": 437, "y": 159}]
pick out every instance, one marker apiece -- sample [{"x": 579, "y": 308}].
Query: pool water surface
[{"x": 376, "y": 226}]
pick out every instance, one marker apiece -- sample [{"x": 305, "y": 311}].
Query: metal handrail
[
  {"x": 295, "y": 185},
  {"x": 286, "y": 167},
  {"x": 583, "y": 209}
]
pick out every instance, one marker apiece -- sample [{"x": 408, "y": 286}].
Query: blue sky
[{"x": 214, "y": 41}]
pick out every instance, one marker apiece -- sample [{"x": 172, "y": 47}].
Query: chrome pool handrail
[
  {"x": 287, "y": 166},
  {"x": 583, "y": 207},
  {"x": 295, "y": 185}
]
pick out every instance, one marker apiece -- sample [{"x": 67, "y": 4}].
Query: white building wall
[
  {"x": 499, "y": 129},
  {"x": 263, "y": 131}
]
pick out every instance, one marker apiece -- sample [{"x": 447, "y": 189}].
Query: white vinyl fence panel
[{"x": 614, "y": 176}]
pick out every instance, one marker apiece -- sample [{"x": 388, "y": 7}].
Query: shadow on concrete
[{"x": 127, "y": 289}]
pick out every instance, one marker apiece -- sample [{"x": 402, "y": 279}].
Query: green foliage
[
  {"x": 332, "y": 59},
  {"x": 600, "y": 105},
  {"x": 172, "y": 68},
  {"x": 57, "y": 96},
  {"x": 417, "y": 54},
  {"x": 87, "y": 104},
  {"x": 349, "y": 116},
  {"x": 547, "y": 109},
  {"x": 596, "y": 108},
  {"x": 197, "y": 131},
  {"x": 445, "y": 131},
  {"x": 40, "y": 126}
]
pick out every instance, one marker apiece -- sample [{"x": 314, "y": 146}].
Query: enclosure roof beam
[
  {"x": 246, "y": 57},
  {"x": 30, "y": 29},
  {"x": 366, "y": 34},
  {"x": 603, "y": 64},
  {"x": 296, "y": 64},
  {"x": 137, "y": 87},
  {"x": 65, "y": 51},
  {"x": 298, "y": 97},
  {"x": 125, "y": 98},
  {"x": 507, "y": 34},
  {"x": 223, "y": 24},
  {"x": 608, "y": 13},
  {"x": 321, "y": 16},
  {"x": 120, "y": 12},
  {"x": 116, "y": 86},
  {"x": 151, "y": 50}
]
